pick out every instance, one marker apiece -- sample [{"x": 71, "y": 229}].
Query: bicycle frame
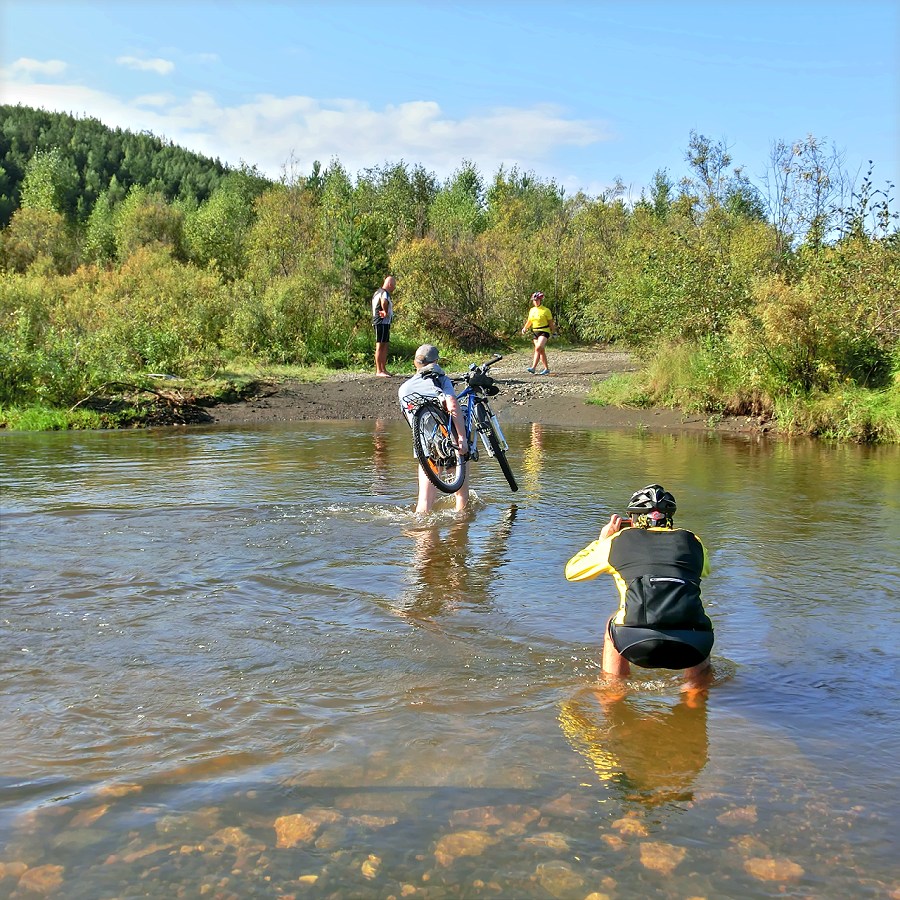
[{"x": 469, "y": 399}]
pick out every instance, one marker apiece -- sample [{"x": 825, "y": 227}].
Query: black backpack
[{"x": 660, "y": 601}]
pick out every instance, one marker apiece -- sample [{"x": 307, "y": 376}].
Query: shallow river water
[{"x": 236, "y": 665}]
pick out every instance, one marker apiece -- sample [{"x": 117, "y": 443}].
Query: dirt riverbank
[{"x": 556, "y": 399}]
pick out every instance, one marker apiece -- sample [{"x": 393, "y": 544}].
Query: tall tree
[
  {"x": 216, "y": 232},
  {"x": 100, "y": 232},
  {"x": 145, "y": 218},
  {"x": 522, "y": 201},
  {"x": 804, "y": 185},
  {"x": 458, "y": 210},
  {"x": 49, "y": 180}
]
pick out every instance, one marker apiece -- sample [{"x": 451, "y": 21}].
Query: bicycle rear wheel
[
  {"x": 435, "y": 443},
  {"x": 496, "y": 446}
]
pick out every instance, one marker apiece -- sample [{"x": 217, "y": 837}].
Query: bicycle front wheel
[
  {"x": 496, "y": 447},
  {"x": 435, "y": 442}
]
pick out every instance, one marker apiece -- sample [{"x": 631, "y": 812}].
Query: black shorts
[
  {"x": 537, "y": 334},
  {"x": 665, "y": 648},
  {"x": 382, "y": 333}
]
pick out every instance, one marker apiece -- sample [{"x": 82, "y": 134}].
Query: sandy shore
[{"x": 557, "y": 399}]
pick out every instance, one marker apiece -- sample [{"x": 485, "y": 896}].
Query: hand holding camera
[{"x": 614, "y": 525}]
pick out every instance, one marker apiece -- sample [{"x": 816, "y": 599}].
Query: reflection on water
[
  {"x": 380, "y": 456},
  {"x": 237, "y": 664},
  {"x": 656, "y": 752},
  {"x": 448, "y": 570},
  {"x": 653, "y": 745},
  {"x": 533, "y": 458}
]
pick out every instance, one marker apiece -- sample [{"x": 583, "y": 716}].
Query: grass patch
[
  {"x": 43, "y": 418},
  {"x": 625, "y": 390},
  {"x": 683, "y": 378},
  {"x": 850, "y": 414},
  {"x": 696, "y": 380}
]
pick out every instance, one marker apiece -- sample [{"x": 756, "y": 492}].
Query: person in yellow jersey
[
  {"x": 540, "y": 321},
  {"x": 660, "y": 622}
]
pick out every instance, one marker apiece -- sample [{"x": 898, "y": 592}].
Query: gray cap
[{"x": 427, "y": 353}]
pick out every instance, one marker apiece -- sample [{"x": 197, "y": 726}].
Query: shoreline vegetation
[{"x": 143, "y": 285}]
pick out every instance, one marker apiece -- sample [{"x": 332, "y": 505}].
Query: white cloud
[
  {"x": 160, "y": 66},
  {"x": 156, "y": 100},
  {"x": 270, "y": 131},
  {"x": 26, "y": 66}
]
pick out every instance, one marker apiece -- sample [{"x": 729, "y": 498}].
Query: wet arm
[{"x": 452, "y": 405}]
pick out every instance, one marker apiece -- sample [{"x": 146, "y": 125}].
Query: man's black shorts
[
  {"x": 382, "y": 333},
  {"x": 667, "y": 648}
]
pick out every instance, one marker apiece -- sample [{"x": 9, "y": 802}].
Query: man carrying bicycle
[{"x": 430, "y": 381}]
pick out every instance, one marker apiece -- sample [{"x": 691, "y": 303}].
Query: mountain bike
[{"x": 434, "y": 434}]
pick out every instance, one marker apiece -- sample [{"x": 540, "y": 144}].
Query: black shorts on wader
[{"x": 662, "y": 648}]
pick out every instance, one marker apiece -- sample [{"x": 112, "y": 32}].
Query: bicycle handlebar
[
  {"x": 478, "y": 369},
  {"x": 486, "y": 365}
]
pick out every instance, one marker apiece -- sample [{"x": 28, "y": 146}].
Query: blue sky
[{"x": 583, "y": 93}]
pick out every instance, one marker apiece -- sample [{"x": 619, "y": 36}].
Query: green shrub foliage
[{"x": 123, "y": 256}]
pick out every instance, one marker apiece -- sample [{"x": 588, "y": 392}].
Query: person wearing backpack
[
  {"x": 660, "y": 622},
  {"x": 382, "y": 316},
  {"x": 430, "y": 380}
]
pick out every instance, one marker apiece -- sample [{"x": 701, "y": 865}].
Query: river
[{"x": 236, "y": 665}]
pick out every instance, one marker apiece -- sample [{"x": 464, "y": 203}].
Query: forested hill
[{"x": 97, "y": 158}]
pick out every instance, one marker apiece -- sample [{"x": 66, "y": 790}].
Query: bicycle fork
[{"x": 485, "y": 420}]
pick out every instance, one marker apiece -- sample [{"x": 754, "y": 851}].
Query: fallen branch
[{"x": 168, "y": 398}]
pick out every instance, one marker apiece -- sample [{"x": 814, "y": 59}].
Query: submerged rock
[
  {"x": 12, "y": 869},
  {"x": 558, "y": 879},
  {"x": 41, "y": 879},
  {"x": 118, "y": 790},
  {"x": 631, "y": 826},
  {"x": 293, "y": 830},
  {"x": 553, "y": 840},
  {"x": 773, "y": 869},
  {"x": 738, "y": 816},
  {"x": 661, "y": 857},
  {"x": 462, "y": 843},
  {"x": 371, "y": 866},
  {"x": 89, "y": 816}
]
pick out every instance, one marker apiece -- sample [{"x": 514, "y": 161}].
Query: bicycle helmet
[
  {"x": 652, "y": 506},
  {"x": 537, "y": 295}
]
